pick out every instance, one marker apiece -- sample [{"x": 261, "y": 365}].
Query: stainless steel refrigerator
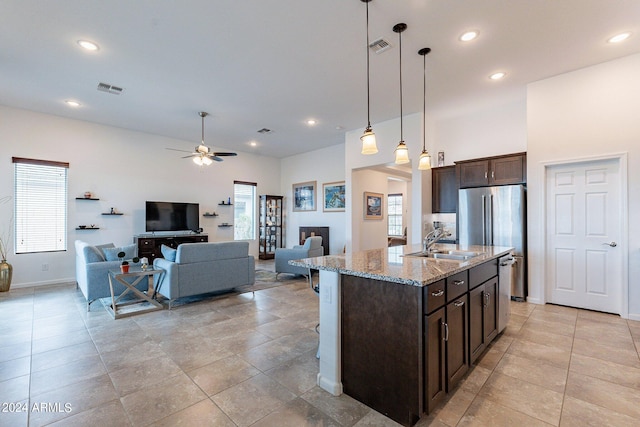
[{"x": 496, "y": 216}]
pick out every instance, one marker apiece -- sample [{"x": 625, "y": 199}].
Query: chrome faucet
[{"x": 432, "y": 238}]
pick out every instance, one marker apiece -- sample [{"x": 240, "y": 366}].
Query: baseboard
[
  {"x": 59, "y": 282},
  {"x": 634, "y": 316}
]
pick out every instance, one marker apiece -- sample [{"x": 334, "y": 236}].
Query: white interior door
[{"x": 584, "y": 227}]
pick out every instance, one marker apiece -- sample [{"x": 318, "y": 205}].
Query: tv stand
[{"x": 149, "y": 244}]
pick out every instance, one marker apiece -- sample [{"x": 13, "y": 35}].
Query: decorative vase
[{"x": 6, "y": 272}]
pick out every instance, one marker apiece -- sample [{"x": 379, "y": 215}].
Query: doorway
[{"x": 585, "y": 242}]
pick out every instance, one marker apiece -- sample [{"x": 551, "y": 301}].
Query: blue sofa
[
  {"x": 205, "y": 267},
  {"x": 92, "y": 270}
]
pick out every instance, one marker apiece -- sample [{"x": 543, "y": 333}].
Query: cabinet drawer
[
  {"x": 483, "y": 272},
  {"x": 457, "y": 284},
  {"x": 434, "y": 296},
  {"x": 146, "y": 242}
]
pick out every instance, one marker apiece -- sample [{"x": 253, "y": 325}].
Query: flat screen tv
[{"x": 172, "y": 216}]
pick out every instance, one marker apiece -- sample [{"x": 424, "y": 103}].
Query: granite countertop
[{"x": 390, "y": 265}]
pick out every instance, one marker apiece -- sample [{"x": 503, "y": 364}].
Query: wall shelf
[
  {"x": 88, "y": 228},
  {"x": 225, "y": 225},
  {"x": 109, "y": 213},
  {"x": 210, "y": 215},
  {"x": 86, "y": 198},
  {"x": 225, "y": 204}
]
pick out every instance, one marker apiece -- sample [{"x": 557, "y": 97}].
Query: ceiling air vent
[
  {"x": 106, "y": 87},
  {"x": 265, "y": 130},
  {"x": 380, "y": 45}
]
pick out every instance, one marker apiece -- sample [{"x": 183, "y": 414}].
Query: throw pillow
[
  {"x": 111, "y": 254},
  {"x": 92, "y": 254},
  {"x": 168, "y": 253}
]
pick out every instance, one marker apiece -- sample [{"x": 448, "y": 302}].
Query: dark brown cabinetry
[
  {"x": 457, "y": 328},
  {"x": 435, "y": 359},
  {"x": 444, "y": 190},
  {"x": 500, "y": 170},
  {"x": 483, "y": 307},
  {"x": 149, "y": 246},
  {"x": 270, "y": 226}
]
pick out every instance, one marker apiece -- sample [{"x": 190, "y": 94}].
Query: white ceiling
[{"x": 275, "y": 63}]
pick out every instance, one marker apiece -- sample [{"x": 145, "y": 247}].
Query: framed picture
[
  {"x": 440, "y": 158},
  {"x": 372, "y": 205},
  {"x": 333, "y": 196},
  {"x": 304, "y": 196}
]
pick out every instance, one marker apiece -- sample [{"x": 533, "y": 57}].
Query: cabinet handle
[
  {"x": 485, "y": 174},
  {"x": 487, "y": 298},
  {"x": 437, "y": 293},
  {"x": 493, "y": 174},
  {"x": 458, "y": 303},
  {"x": 446, "y": 332},
  {"x": 458, "y": 282}
]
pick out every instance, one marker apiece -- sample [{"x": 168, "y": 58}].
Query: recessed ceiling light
[
  {"x": 86, "y": 44},
  {"x": 312, "y": 122},
  {"x": 253, "y": 144},
  {"x": 619, "y": 37},
  {"x": 469, "y": 35},
  {"x": 72, "y": 103},
  {"x": 497, "y": 76}
]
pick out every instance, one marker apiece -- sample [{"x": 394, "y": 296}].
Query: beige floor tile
[
  {"x": 143, "y": 374},
  {"x": 80, "y": 396},
  {"x": 489, "y": 359},
  {"x": 15, "y": 351},
  {"x": 547, "y": 338},
  {"x": 136, "y": 354},
  {"x": 487, "y": 413},
  {"x": 604, "y": 370},
  {"x": 522, "y": 308},
  {"x": 601, "y": 317},
  {"x": 222, "y": 374},
  {"x": 279, "y": 328},
  {"x": 501, "y": 343},
  {"x": 281, "y": 350},
  {"x": 522, "y": 396},
  {"x": 48, "y": 344},
  {"x": 62, "y": 356},
  {"x": 190, "y": 354},
  {"x": 344, "y": 409},
  {"x": 296, "y": 413},
  {"x": 621, "y": 354},
  {"x": 634, "y": 328},
  {"x": 14, "y": 389},
  {"x": 298, "y": 375},
  {"x": 554, "y": 315},
  {"x": 560, "y": 328},
  {"x": 475, "y": 379},
  {"x": 559, "y": 309},
  {"x": 69, "y": 373},
  {"x": 577, "y": 413},
  {"x": 454, "y": 407},
  {"x": 242, "y": 341},
  {"x": 253, "y": 399},
  {"x": 531, "y": 350},
  {"x": 160, "y": 400},
  {"x": 111, "y": 413},
  {"x": 202, "y": 414},
  {"x": 15, "y": 368},
  {"x": 614, "y": 397},
  {"x": 376, "y": 419},
  {"x": 16, "y": 417},
  {"x": 534, "y": 372}
]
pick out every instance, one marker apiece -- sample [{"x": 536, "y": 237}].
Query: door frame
[{"x": 622, "y": 159}]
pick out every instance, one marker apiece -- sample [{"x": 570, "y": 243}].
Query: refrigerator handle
[
  {"x": 491, "y": 219},
  {"x": 484, "y": 220}
]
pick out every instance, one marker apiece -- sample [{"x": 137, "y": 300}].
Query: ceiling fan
[{"x": 202, "y": 154}]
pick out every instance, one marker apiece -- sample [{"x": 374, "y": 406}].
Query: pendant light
[
  {"x": 425, "y": 159},
  {"x": 368, "y": 138},
  {"x": 402, "y": 152}
]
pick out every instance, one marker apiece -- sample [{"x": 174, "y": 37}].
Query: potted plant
[
  {"x": 124, "y": 266},
  {"x": 6, "y": 269}
]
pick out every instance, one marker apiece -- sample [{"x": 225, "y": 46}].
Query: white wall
[
  {"x": 124, "y": 169},
  {"x": 589, "y": 112},
  {"x": 323, "y": 166}
]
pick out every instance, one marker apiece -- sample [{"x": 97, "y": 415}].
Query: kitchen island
[{"x": 398, "y": 332}]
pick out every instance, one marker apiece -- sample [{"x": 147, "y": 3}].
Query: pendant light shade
[
  {"x": 402, "y": 152},
  {"x": 425, "y": 159},
  {"x": 368, "y": 138}
]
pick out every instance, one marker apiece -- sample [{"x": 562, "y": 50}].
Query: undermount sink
[{"x": 453, "y": 255}]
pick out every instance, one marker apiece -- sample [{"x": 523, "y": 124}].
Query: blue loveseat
[
  {"x": 201, "y": 268},
  {"x": 92, "y": 269}
]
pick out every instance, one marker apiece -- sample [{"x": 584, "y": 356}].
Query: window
[
  {"x": 394, "y": 214},
  {"x": 40, "y": 205},
  {"x": 244, "y": 211}
]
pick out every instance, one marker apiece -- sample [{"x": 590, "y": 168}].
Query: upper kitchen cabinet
[
  {"x": 444, "y": 190},
  {"x": 500, "y": 170}
]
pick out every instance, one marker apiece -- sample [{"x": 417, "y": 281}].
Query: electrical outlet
[{"x": 45, "y": 267}]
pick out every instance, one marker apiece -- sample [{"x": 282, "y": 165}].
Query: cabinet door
[
  {"x": 434, "y": 359},
  {"x": 474, "y": 174},
  {"x": 456, "y": 335},
  {"x": 444, "y": 190},
  {"x": 508, "y": 170},
  {"x": 476, "y": 322},
  {"x": 490, "y": 310}
]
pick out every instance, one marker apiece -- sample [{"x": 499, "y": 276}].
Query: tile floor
[{"x": 249, "y": 360}]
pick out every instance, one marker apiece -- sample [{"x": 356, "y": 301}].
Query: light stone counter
[{"x": 390, "y": 264}]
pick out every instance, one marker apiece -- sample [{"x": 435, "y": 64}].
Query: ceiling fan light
[
  {"x": 197, "y": 160},
  {"x": 425, "y": 161},
  {"x": 402, "y": 153},
  {"x": 369, "y": 142},
  {"x": 206, "y": 160},
  {"x": 203, "y": 149}
]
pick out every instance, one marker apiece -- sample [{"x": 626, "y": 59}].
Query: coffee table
[{"x": 120, "y": 307}]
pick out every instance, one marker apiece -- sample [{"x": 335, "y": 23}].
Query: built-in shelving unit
[{"x": 270, "y": 226}]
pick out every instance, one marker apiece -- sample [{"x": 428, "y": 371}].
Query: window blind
[{"x": 40, "y": 205}]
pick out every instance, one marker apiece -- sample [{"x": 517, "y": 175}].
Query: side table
[{"x": 119, "y": 307}]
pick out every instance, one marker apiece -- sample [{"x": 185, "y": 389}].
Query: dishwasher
[{"x": 506, "y": 273}]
